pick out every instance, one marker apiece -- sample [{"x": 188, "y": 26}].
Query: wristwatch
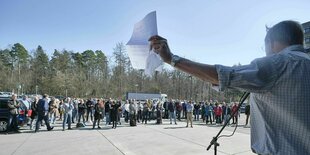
[{"x": 174, "y": 60}]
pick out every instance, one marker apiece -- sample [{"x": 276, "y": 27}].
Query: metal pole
[{"x": 191, "y": 87}]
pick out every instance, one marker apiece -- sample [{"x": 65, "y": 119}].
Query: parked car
[
  {"x": 5, "y": 113},
  {"x": 5, "y": 94}
]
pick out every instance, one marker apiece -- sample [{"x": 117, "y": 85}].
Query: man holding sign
[{"x": 279, "y": 85}]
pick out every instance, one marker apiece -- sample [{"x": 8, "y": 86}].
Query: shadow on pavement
[{"x": 177, "y": 127}]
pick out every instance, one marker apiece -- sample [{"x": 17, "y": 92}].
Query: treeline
[{"x": 92, "y": 74}]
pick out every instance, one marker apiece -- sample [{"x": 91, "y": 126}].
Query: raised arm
[{"x": 203, "y": 71}]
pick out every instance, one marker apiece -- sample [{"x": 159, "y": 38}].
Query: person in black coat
[
  {"x": 34, "y": 114},
  {"x": 159, "y": 109},
  {"x": 90, "y": 107},
  {"x": 81, "y": 111},
  {"x": 98, "y": 113},
  {"x": 247, "y": 113},
  {"x": 114, "y": 113}
]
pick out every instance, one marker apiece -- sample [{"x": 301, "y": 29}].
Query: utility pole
[{"x": 191, "y": 93}]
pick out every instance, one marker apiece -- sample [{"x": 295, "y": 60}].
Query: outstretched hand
[{"x": 160, "y": 46}]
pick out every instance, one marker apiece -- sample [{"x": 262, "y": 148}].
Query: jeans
[
  {"x": 166, "y": 113},
  {"x": 103, "y": 115},
  {"x": 184, "y": 113},
  {"x": 46, "y": 120},
  {"x": 89, "y": 111},
  {"x": 83, "y": 117},
  {"x": 13, "y": 124},
  {"x": 126, "y": 116},
  {"x": 32, "y": 124},
  {"x": 107, "y": 118},
  {"x": 179, "y": 115},
  {"x": 74, "y": 115},
  {"x": 208, "y": 118},
  {"x": 226, "y": 118},
  {"x": 151, "y": 115},
  {"x": 197, "y": 114},
  {"x": 139, "y": 117},
  {"x": 144, "y": 117},
  {"x": 172, "y": 114},
  {"x": 67, "y": 117},
  {"x": 52, "y": 117}
]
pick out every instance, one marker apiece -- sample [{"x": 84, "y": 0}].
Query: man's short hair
[
  {"x": 286, "y": 32},
  {"x": 45, "y": 95}
]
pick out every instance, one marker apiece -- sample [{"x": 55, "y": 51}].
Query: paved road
[{"x": 143, "y": 139}]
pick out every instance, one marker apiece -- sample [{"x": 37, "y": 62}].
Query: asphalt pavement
[{"x": 143, "y": 139}]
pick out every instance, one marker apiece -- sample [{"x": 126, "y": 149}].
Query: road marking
[
  {"x": 111, "y": 142},
  {"x": 21, "y": 144}
]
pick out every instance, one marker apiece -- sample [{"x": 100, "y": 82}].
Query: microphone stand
[{"x": 214, "y": 140}]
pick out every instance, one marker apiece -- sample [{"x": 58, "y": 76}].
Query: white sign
[{"x": 140, "y": 55}]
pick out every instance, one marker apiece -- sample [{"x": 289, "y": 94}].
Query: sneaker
[
  {"x": 191, "y": 126},
  {"x": 99, "y": 127},
  {"x": 187, "y": 126}
]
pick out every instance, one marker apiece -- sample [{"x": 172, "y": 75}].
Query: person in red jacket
[
  {"x": 218, "y": 113},
  {"x": 234, "y": 115}
]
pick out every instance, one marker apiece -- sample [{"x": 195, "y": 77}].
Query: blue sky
[{"x": 210, "y": 31}]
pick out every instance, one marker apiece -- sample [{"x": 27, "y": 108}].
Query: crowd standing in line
[{"x": 92, "y": 111}]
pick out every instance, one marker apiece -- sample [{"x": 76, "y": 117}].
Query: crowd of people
[{"x": 94, "y": 111}]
